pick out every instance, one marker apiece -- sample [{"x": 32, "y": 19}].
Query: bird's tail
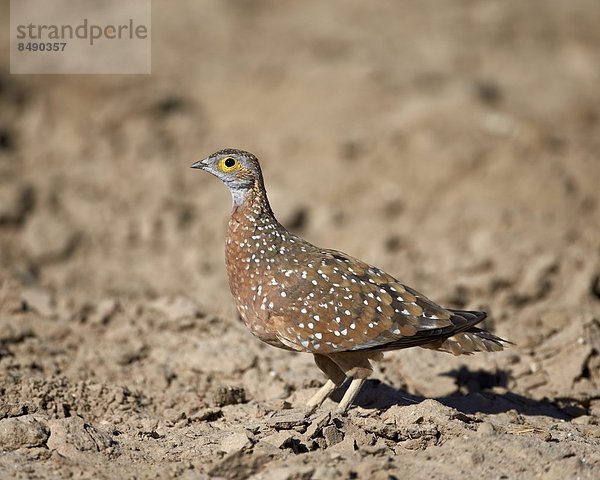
[{"x": 468, "y": 342}]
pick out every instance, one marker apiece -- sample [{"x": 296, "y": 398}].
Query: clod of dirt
[
  {"x": 345, "y": 447},
  {"x": 229, "y": 395},
  {"x": 316, "y": 427},
  {"x": 287, "y": 421},
  {"x": 49, "y": 238},
  {"x": 71, "y": 437},
  {"x": 282, "y": 439},
  {"x": 235, "y": 442},
  {"x": 332, "y": 435},
  {"x": 239, "y": 465},
  {"x": 485, "y": 428},
  {"x": 207, "y": 414},
  {"x": 417, "y": 425},
  {"x": 22, "y": 432},
  {"x": 38, "y": 300}
]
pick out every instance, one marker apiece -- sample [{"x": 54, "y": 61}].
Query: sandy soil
[{"x": 454, "y": 144}]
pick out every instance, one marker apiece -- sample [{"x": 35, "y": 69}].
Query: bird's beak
[{"x": 201, "y": 164}]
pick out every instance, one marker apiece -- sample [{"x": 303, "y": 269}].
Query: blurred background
[{"x": 454, "y": 144}]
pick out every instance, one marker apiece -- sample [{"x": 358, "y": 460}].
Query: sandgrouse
[{"x": 297, "y": 296}]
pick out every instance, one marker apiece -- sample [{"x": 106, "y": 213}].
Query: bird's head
[{"x": 237, "y": 169}]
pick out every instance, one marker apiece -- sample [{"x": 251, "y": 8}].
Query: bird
[{"x": 300, "y": 297}]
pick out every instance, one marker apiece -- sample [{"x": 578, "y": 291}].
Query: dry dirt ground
[{"x": 454, "y": 144}]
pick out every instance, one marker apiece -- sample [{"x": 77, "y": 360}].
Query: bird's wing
[{"x": 336, "y": 303}]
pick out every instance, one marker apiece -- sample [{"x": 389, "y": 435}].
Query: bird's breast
[{"x": 251, "y": 263}]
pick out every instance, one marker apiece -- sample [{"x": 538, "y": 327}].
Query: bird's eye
[{"x": 228, "y": 164}]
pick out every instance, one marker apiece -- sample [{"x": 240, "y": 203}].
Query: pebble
[
  {"x": 486, "y": 428},
  {"x": 70, "y": 437},
  {"x": 22, "y": 432},
  {"x": 345, "y": 447},
  {"x": 316, "y": 427},
  {"x": 235, "y": 442},
  {"x": 287, "y": 421},
  {"x": 229, "y": 395},
  {"x": 332, "y": 435},
  {"x": 278, "y": 439}
]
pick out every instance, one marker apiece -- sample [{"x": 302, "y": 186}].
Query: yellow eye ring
[{"x": 228, "y": 164}]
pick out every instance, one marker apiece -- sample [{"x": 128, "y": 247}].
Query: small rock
[
  {"x": 71, "y": 437},
  {"x": 594, "y": 408},
  {"x": 583, "y": 420},
  {"x": 316, "y": 427},
  {"x": 287, "y": 421},
  {"x": 229, "y": 395},
  {"x": 345, "y": 447},
  {"x": 236, "y": 465},
  {"x": 173, "y": 415},
  {"x": 428, "y": 408},
  {"x": 486, "y": 428},
  {"x": 38, "y": 300},
  {"x": 379, "y": 448},
  {"x": 235, "y": 442},
  {"x": 48, "y": 238},
  {"x": 207, "y": 414},
  {"x": 22, "y": 432},
  {"x": 148, "y": 424},
  {"x": 279, "y": 439},
  {"x": 332, "y": 435}
]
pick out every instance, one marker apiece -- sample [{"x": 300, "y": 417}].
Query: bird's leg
[
  {"x": 351, "y": 393},
  {"x": 335, "y": 378},
  {"x": 318, "y": 398},
  {"x": 357, "y": 366}
]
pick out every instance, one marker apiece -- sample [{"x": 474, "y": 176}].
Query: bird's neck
[
  {"x": 251, "y": 206},
  {"x": 252, "y": 227}
]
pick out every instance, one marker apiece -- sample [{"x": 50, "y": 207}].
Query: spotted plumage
[{"x": 297, "y": 296}]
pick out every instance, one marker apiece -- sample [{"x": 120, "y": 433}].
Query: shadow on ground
[{"x": 478, "y": 399}]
